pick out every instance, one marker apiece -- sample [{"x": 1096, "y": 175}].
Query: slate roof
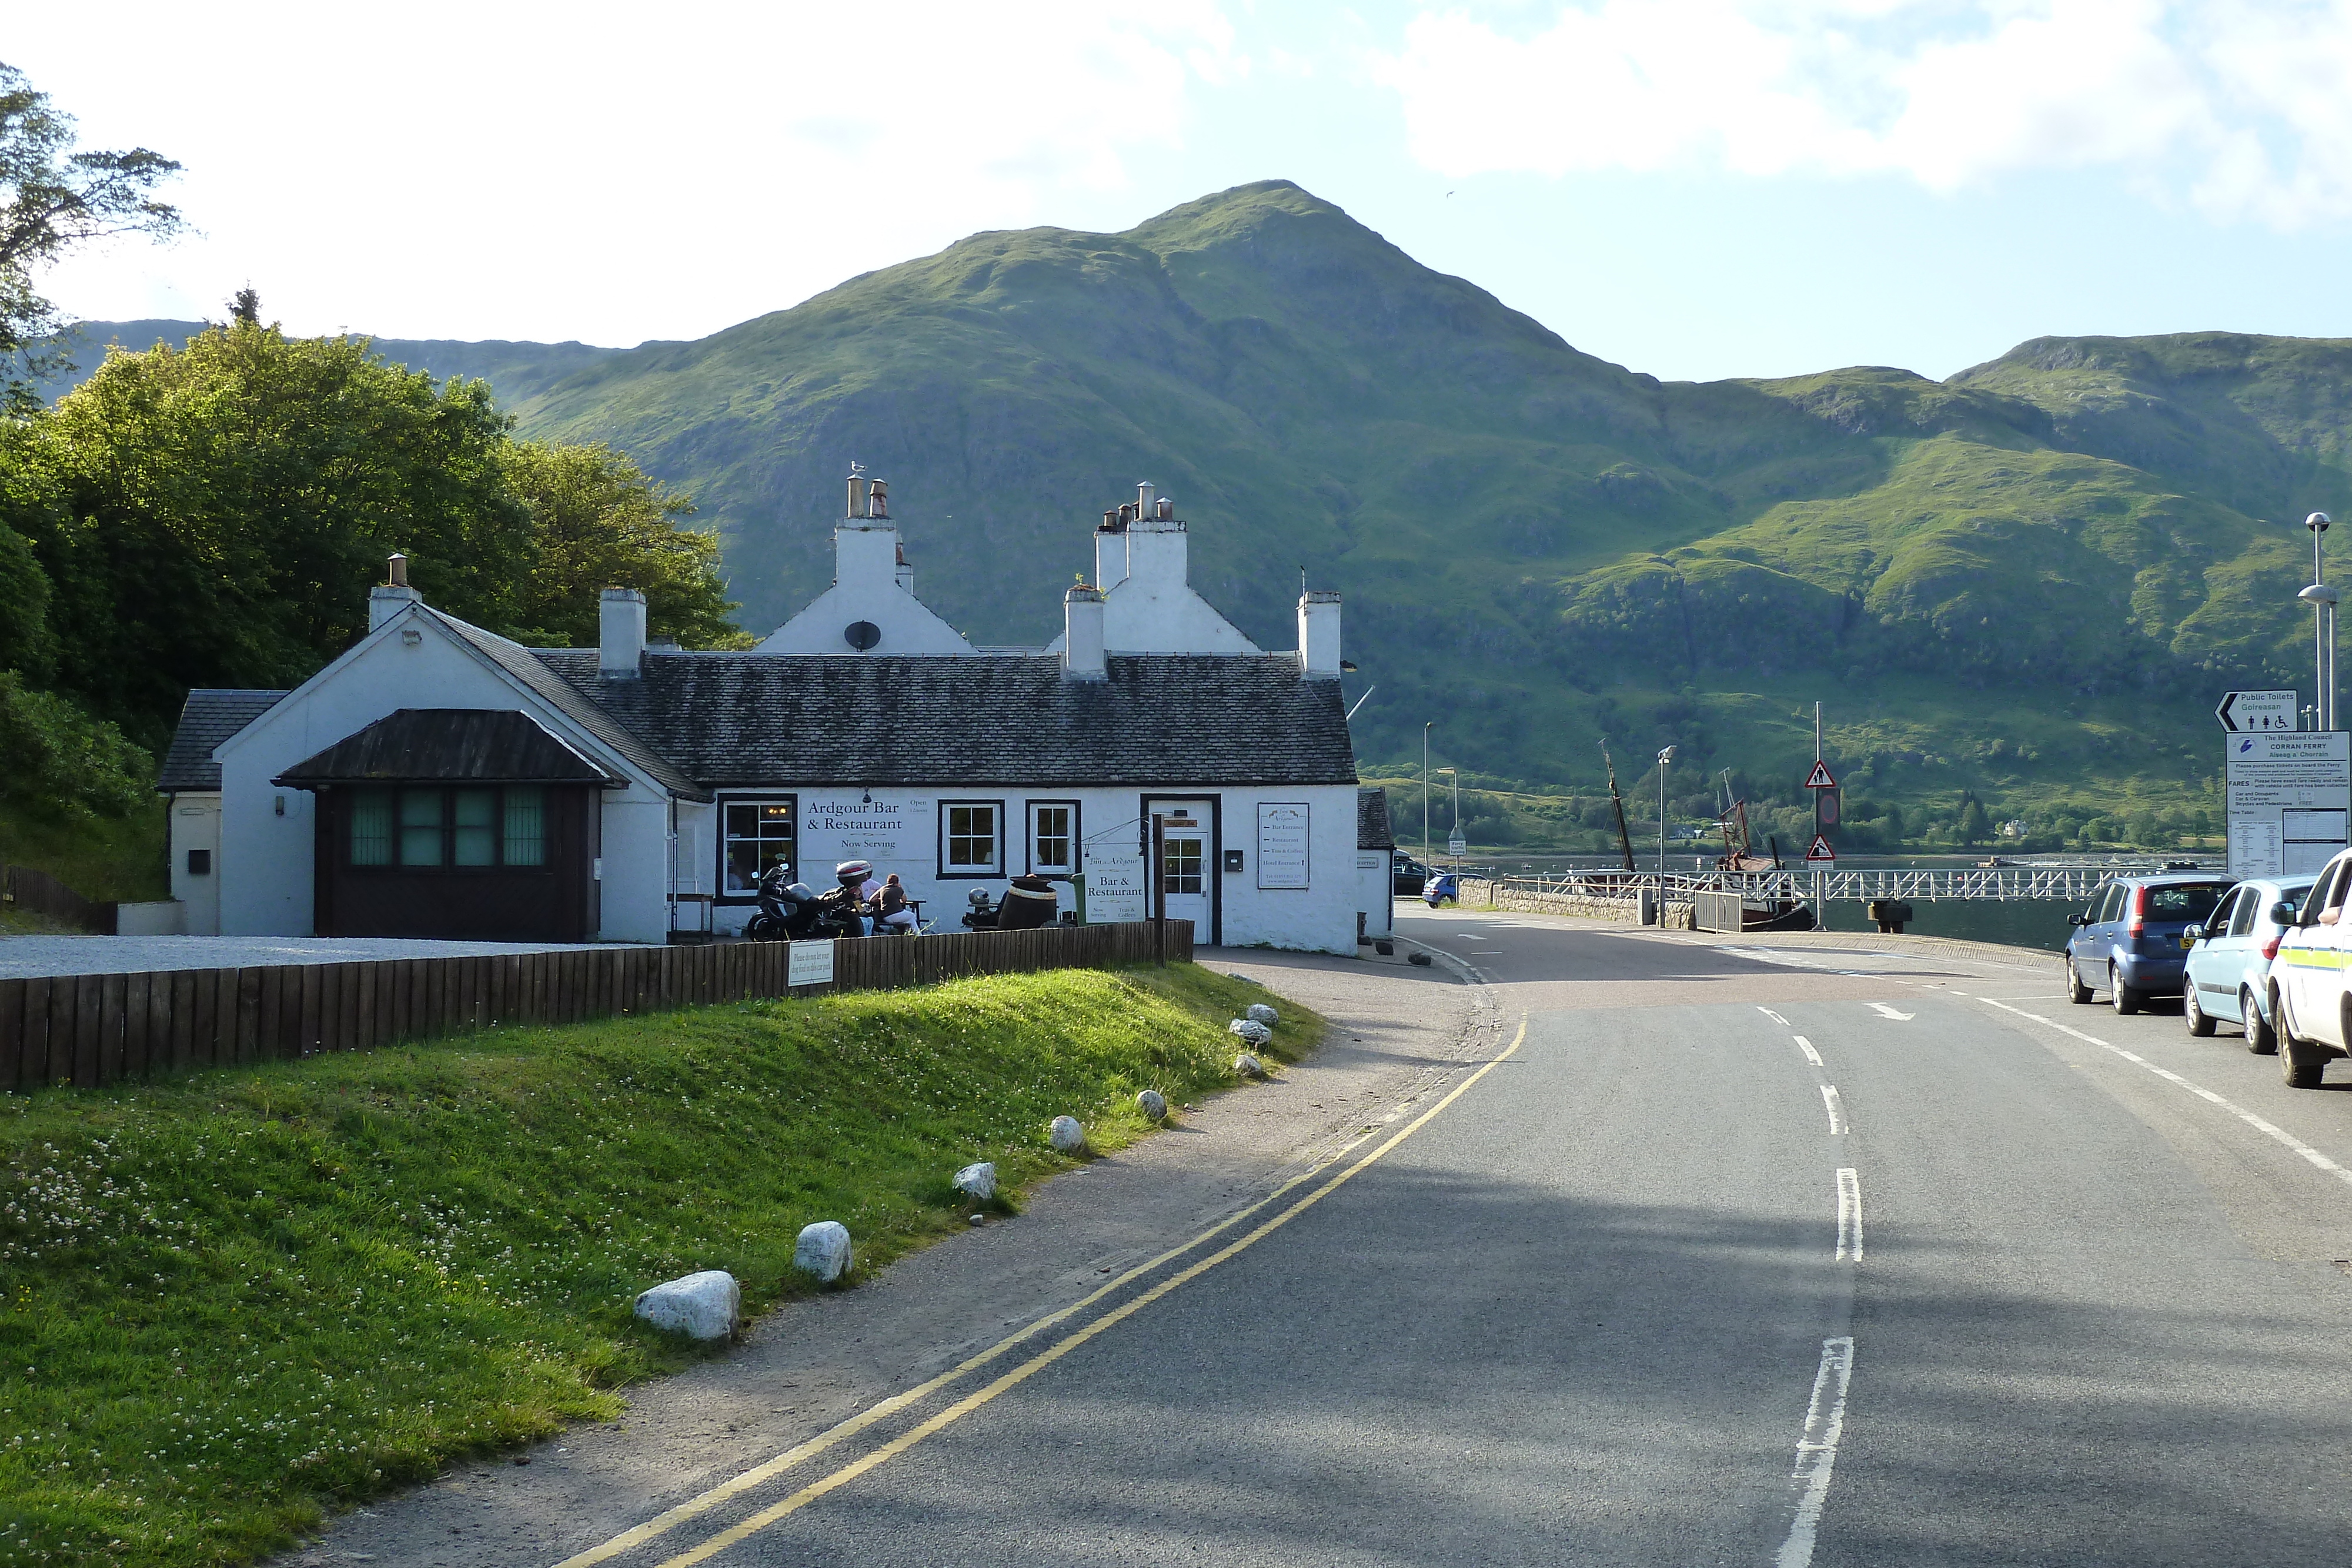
[
  {"x": 210, "y": 715},
  {"x": 533, "y": 667},
  {"x": 444, "y": 744},
  {"x": 1157, "y": 718},
  {"x": 1372, "y": 830}
]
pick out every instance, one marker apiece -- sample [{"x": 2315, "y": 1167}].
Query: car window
[
  {"x": 2184, "y": 901},
  {"x": 2103, "y": 910},
  {"x": 2326, "y": 894},
  {"x": 2241, "y": 913}
]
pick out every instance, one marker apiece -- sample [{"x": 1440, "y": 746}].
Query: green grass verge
[{"x": 235, "y": 1301}]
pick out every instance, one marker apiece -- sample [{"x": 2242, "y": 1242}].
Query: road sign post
[
  {"x": 2290, "y": 800},
  {"x": 2256, "y": 713}
]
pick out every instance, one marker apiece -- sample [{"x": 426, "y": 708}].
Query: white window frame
[
  {"x": 995, "y": 869},
  {"x": 1077, "y": 837}
]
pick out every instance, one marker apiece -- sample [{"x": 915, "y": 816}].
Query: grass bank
[{"x": 235, "y": 1301}]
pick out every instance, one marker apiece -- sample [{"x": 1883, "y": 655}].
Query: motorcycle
[
  {"x": 795, "y": 911},
  {"x": 982, "y": 916}
]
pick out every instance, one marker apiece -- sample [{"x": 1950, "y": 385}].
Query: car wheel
[
  {"x": 2200, "y": 1022},
  {"x": 2300, "y": 1063},
  {"x": 2260, "y": 1038},
  {"x": 2126, "y": 998},
  {"x": 2076, "y": 992}
]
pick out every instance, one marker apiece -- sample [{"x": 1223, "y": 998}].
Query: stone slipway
[{"x": 1395, "y": 1031}]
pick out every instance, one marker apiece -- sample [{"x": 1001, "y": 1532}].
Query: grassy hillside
[
  {"x": 2084, "y": 537},
  {"x": 243, "y": 1299}
]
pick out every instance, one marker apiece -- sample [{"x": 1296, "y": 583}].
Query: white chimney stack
[
  {"x": 1082, "y": 635},
  {"x": 389, "y": 598},
  {"x": 620, "y": 627},
  {"x": 1318, "y": 634}
]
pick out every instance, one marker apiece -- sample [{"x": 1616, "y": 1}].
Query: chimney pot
[
  {"x": 386, "y": 599},
  {"x": 621, "y": 641},
  {"x": 398, "y": 577}
]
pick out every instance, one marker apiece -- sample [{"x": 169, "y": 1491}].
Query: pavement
[
  {"x": 1592, "y": 1245},
  {"x": 27, "y": 957}
]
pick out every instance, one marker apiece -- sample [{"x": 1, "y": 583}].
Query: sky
[{"x": 1691, "y": 188}]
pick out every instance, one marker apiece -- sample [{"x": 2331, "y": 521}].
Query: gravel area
[{"x": 24, "y": 958}]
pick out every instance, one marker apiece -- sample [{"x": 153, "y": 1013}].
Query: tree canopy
[
  {"x": 52, "y": 199},
  {"x": 211, "y": 515}
]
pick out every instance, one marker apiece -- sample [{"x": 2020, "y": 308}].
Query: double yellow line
[{"x": 694, "y": 1507}]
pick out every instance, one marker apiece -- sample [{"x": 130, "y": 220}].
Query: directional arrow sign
[
  {"x": 1820, "y": 850},
  {"x": 1819, "y": 778},
  {"x": 2256, "y": 713}
]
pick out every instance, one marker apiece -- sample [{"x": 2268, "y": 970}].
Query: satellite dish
[{"x": 861, "y": 635}]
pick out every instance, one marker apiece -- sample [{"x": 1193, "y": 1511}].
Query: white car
[{"x": 2307, "y": 991}]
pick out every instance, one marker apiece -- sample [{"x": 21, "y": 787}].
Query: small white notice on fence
[
  {"x": 2289, "y": 799},
  {"x": 1113, "y": 887},
  {"x": 808, "y": 964},
  {"x": 1281, "y": 845}
]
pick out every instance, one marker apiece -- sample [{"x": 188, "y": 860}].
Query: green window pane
[
  {"x": 372, "y": 827},
  {"x": 420, "y": 827},
  {"x": 526, "y": 825},
  {"x": 476, "y": 820}
]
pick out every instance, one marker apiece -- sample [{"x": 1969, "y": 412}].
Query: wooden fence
[
  {"x": 93, "y": 1030},
  {"x": 39, "y": 893}
]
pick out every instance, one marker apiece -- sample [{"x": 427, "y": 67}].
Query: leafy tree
[
  {"x": 50, "y": 200},
  {"x": 244, "y": 307},
  {"x": 598, "y": 522},
  {"x": 211, "y": 515},
  {"x": 1974, "y": 826}
]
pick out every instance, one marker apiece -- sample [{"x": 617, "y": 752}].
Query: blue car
[
  {"x": 2127, "y": 942},
  {"x": 1442, "y": 888},
  {"x": 2229, "y": 958}
]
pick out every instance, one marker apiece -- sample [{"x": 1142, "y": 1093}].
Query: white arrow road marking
[
  {"x": 1849, "y": 1185},
  {"x": 1807, "y": 1046},
  {"x": 1817, "y": 1450},
  {"x": 1883, "y": 1010},
  {"x": 1837, "y": 1110}
]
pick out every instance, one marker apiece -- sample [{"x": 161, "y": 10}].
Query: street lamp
[
  {"x": 1663, "y": 758},
  {"x": 2323, "y": 601},
  {"x": 1426, "y": 858}
]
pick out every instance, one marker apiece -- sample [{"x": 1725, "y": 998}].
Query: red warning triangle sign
[
  {"x": 1819, "y": 778},
  {"x": 1818, "y": 850}
]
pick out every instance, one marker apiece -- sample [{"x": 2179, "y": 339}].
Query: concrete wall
[
  {"x": 195, "y": 824},
  {"x": 1375, "y": 895}
]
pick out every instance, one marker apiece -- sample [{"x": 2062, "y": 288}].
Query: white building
[{"x": 439, "y": 780}]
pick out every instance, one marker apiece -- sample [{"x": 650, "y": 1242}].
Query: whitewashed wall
[
  {"x": 195, "y": 824},
  {"x": 898, "y": 831},
  {"x": 265, "y": 867}
]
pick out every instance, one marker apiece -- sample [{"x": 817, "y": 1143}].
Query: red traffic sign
[
  {"x": 1820, "y": 850},
  {"x": 1826, "y": 805},
  {"x": 1819, "y": 778}
]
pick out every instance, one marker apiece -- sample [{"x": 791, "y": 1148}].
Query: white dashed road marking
[
  {"x": 1817, "y": 1450},
  {"x": 1836, "y": 1109},
  {"x": 1807, "y": 1046},
  {"x": 1849, "y": 1246}
]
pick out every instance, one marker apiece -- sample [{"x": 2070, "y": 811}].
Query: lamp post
[
  {"x": 1425, "y": 857},
  {"x": 1663, "y": 758},
  {"x": 2323, "y": 601}
]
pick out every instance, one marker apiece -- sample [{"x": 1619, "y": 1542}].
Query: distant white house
[{"x": 437, "y": 780}]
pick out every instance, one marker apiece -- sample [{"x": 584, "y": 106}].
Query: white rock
[
  {"x": 1260, "y": 1013},
  {"x": 823, "y": 1250},
  {"x": 1153, "y": 1105},
  {"x": 977, "y": 1181},
  {"x": 1248, "y": 1066},
  {"x": 704, "y": 1305},
  {"x": 1245, "y": 979},
  {"x": 1251, "y": 1030},
  {"x": 1068, "y": 1135}
]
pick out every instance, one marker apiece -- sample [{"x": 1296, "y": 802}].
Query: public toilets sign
[
  {"x": 2256, "y": 713},
  {"x": 2290, "y": 798}
]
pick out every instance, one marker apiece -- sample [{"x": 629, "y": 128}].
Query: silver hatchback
[{"x": 2230, "y": 960}]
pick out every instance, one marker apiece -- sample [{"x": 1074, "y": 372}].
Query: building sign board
[
  {"x": 887, "y": 831},
  {"x": 1281, "y": 844},
  {"x": 2290, "y": 798},
  {"x": 2256, "y": 713},
  {"x": 1112, "y": 885},
  {"x": 808, "y": 964}
]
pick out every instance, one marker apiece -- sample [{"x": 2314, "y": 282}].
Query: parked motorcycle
[
  {"x": 795, "y": 911},
  {"x": 983, "y": 914}
]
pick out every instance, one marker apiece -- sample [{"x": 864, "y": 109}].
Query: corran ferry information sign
[{"x": 2290, "y": 797}]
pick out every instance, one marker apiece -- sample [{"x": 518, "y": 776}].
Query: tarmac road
[{"x": 1784, "y": 1251}]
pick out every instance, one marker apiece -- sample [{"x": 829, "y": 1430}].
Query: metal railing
[{"x": 1757, "y": 888}]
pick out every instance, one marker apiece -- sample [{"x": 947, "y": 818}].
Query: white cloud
[
  {"x": 2239, "y": 106},
  {"x": 600, "y": 170}
]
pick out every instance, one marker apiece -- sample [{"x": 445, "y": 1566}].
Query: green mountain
[{"x": 2024, "y": 585}]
